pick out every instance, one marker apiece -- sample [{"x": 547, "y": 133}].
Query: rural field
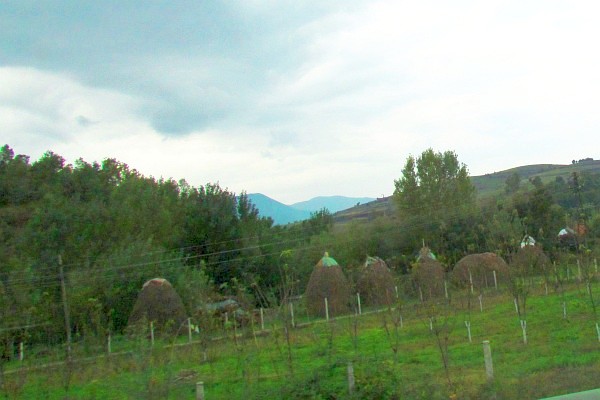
[{"x": 411, "y": 349}]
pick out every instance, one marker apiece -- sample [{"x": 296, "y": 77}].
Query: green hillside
[
  {"x": 486, "y": 185},
  {"x": 490, "y": 184}
]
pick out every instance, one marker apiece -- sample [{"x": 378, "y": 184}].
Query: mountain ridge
[{"x": 365, "y": 208}]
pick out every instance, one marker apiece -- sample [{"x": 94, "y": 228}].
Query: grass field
[{"x": 391, "y": 359}]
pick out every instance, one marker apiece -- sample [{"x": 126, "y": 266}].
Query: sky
[{"x": 297, "y": 99}]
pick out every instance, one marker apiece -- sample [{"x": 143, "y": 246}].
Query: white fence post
[
  {"x": 598, "y": 331},
  {"x": 446, "y": 288},
  {"x": 21, "y": 351},
  {"x": 468, "y": 325},
  {"x": 199, "y": 390},
  {"x": 189, "y": 330},
  {"x": 351, "y": 380},
  {"x": 524, "y": 329},
  {"x": 564, "y": 304},
  {"x": 326, "y": 310},
  {"x": 358, "y": 301},
  {"x": 481, "y": 302},
  {"x": 109, "y": 344},
  {"x": 487, "y": 355},
  {"x": 398, "y": 296}
]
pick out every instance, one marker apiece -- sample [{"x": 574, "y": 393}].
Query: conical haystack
[
  {"x": 327, "y": 281},
  {"x": 376, "y": 284},
  {"x": 428, "y": 275},
  {"x": 158, "y": 302},
  {"x": 530, "y": 260},
  {"x": 480, "y": 269}
]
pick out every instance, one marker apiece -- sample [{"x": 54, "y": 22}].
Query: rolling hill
[{"x": 486, "y": 185}]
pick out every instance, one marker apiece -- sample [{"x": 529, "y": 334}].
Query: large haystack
[
  {"x": 327, "y": 281},
  {"x": 158, "y": 302},
  {"x": 428, "y": 275},
  {"x": 481, "y": 268},
  {"x": 376, "y": 284},
  {"x": 530, "y": 260}
]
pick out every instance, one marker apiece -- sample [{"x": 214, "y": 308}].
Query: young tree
[{"x": 434, "y": 193}]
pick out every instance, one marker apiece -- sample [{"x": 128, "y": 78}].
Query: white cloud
[{"x": 331, "y": 101}]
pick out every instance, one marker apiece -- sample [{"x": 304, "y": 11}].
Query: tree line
[{"x": 115, "y": 228}]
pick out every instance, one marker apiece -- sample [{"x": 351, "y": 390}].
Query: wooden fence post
[
  {"x": 471, "y": 281},
  {"x": 262, "y": 319},
  {"x": 495, "y": 280},
  {"x": 487, "y": 355},
  {"x": 292, "y": 314},
  {"x": 189, "y": 330}
]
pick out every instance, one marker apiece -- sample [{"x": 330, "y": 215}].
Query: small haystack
[
  {"x": 327, "y": 281},
  {"x": 481, "y": 268},
  {"x": 158, "y": 302},
  {"x": 376, "y": 284},
  {"x": 531, "y": 260},
  {"x": 428, "y": 275}
]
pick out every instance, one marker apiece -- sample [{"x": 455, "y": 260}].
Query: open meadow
[{"x": 409, "y": 350}]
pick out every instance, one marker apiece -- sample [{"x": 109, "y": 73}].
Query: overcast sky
[{"x": 299, "y": 99}]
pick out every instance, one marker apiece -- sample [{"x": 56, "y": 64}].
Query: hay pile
[
  {"x": 158, "y": 302},
  {"x": 327, "y": 281},
  {"x": 482, "y": 267},
  {"x": 530, "y": 260},
  {"x": 376, "y": 284},
  {"x": 428, "y": 275}
]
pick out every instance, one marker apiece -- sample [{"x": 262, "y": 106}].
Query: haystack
[
  {"x": 158, "y": 302},
  {"x": 327, "y": 281},
  {"x": 480, "y": 268},
  {"x": 530, "y": 260},
  {"x": 376, "y": 284},
  {"x": 428, "y": 275}
]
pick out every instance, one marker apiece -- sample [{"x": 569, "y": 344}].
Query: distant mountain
[
  {"x": 283, "y": 214},
  {"x": 332, "y": 203}
]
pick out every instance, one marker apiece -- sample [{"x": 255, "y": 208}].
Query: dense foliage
[{"x": 114, "y": 229}]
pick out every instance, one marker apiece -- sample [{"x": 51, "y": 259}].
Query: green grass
[{"x": 562, "y": 355}]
